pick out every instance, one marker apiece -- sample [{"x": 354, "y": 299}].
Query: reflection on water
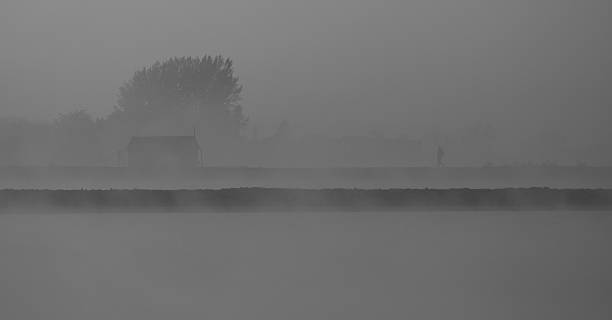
[{"x": 452, "y": 265}]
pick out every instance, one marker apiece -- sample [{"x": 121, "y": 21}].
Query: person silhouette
[{"x": 439, "y": 156}]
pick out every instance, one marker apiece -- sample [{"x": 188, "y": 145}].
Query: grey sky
[{"x": 328, "y": 65}]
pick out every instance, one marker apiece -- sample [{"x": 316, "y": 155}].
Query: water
[{"x": 428, "y": 265}]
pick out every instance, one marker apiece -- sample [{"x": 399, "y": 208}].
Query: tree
[
  {"x": 75, "y": 123},
  {"x": 183, "y": 93}
]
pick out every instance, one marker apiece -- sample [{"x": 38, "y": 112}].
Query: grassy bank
[{"x": 247, "y": 199}]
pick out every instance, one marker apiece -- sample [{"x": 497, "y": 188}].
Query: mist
[
  {"x": 306, "y": 265},
  {"x": 322, "y": 159},
  {"x": 535, "y": 71}
]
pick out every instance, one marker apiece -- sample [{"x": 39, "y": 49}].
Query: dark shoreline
[{"x": 278, "y": 199}]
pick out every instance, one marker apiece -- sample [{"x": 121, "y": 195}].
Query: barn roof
[{"x": 164, "y": 142}]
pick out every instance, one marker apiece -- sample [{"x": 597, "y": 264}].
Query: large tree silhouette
[{"x": 184, "y": 92}]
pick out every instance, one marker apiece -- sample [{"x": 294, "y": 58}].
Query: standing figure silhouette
[{"x": 439, "y": 157}]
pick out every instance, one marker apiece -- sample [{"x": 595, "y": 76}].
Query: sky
[{"x": 329, "y": 66}]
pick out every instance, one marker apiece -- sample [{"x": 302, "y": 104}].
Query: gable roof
[{"x": 164, "y": 142}]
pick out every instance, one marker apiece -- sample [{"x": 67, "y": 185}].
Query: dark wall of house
[{"x": 153, "y": 159}]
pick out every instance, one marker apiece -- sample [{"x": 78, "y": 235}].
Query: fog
[
  {"x": 297, "y": 111},
  {"x": 536, "y": 72},
  {"x": 428, "y": 265}
]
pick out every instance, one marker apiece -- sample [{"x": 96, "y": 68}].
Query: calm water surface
[{"x": 428, "y": 265}]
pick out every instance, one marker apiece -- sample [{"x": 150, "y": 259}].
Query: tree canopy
[
  {"x": 184, "y": 92},
  {"x": 75, "y": 122}
]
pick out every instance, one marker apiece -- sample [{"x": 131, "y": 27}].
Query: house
[{"x": 164, "y": 152}]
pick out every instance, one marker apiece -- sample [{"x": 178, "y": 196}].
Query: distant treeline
[
  {"x": 202, "y": 95},
  {"x": 266, "y": 199},
  {"x": 78, "y": 139},
  {"x": 178, "y": 96}
]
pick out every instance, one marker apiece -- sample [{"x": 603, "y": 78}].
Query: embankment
[{"x": 277, "y": 199}]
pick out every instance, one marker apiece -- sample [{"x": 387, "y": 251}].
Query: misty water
[{"x": 417, "y": 265}]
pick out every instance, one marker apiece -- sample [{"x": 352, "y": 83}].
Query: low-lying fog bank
[{"x": 344, "y": 266}]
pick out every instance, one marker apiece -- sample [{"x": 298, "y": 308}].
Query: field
[
  {"x": 352, "y": 243},
  {"x": 278, "y": 189},
  {"x": 529, "y": 265}
]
